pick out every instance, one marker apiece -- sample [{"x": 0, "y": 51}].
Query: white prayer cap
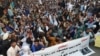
[{"x": 18, "y": 16}]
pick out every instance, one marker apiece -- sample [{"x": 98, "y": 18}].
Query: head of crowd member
[
  {"x": 88, "y": 30},
  {"x": 13, "y": 43},
  {"x": 17, "y": 31},
  {"x": 4, "y": 29},
  {"x": 9, "y": 37},
  {"x": 14, "y": 36},
  {"x": 58, "y": 40},
  {"x": 29, "y": 33},
  {"x": 50, "y": 30},
  {"x": 36, "y": 42}
]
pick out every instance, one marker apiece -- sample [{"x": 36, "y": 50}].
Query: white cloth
[
  {"x": 26, "y": 55},
  {"x": 10, "y": 12},
  {"x": 47, "y": 28},
  {"x": 90, "y": 25},
  {"x": 40, "y": 30},
  {"x": 18, "y": 16},
  {"x": 94, "y": 26},
  {"x": 24, "y": 41},
  {"x": 25, "y": 51},
  {"x": 90, "y": 34},
  {"x": 40, "y": 1},
  {"x": 50, "y": 18},
  {"x": 99, "y": 23},
  {"x": 1, "y": 55},
  {"x": 55, "y": 21},
  {"x": 70, "y": 6},
  {"x": 13, "y": 51},
  {"x": 5, "y": 35}
]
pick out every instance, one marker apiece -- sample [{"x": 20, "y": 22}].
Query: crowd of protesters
[{"x": 31, "y": 25}]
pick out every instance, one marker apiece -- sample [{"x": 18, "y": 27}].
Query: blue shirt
[
  {"x": 27, "y": 12},
  {"x": 9, "y": 29},
  {"x": 36, "y": 48}
]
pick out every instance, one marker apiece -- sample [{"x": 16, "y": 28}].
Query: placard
[
  {"x": 78, "y": 47},
  {"x": 97, "y": 40}
]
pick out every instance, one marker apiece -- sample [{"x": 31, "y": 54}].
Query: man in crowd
[{"x": 13, "y": 50}]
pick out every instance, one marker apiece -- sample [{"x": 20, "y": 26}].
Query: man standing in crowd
[{"x": 13, "y": 50}]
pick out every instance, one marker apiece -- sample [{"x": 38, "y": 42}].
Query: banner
[
  {"x": 97, "y": 39},
  {"x": 78, "y": 47}
]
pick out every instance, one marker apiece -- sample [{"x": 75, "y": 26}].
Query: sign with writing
[
  {"x": 97, "y": 40},
  {"x": 78, "y": 47}
]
